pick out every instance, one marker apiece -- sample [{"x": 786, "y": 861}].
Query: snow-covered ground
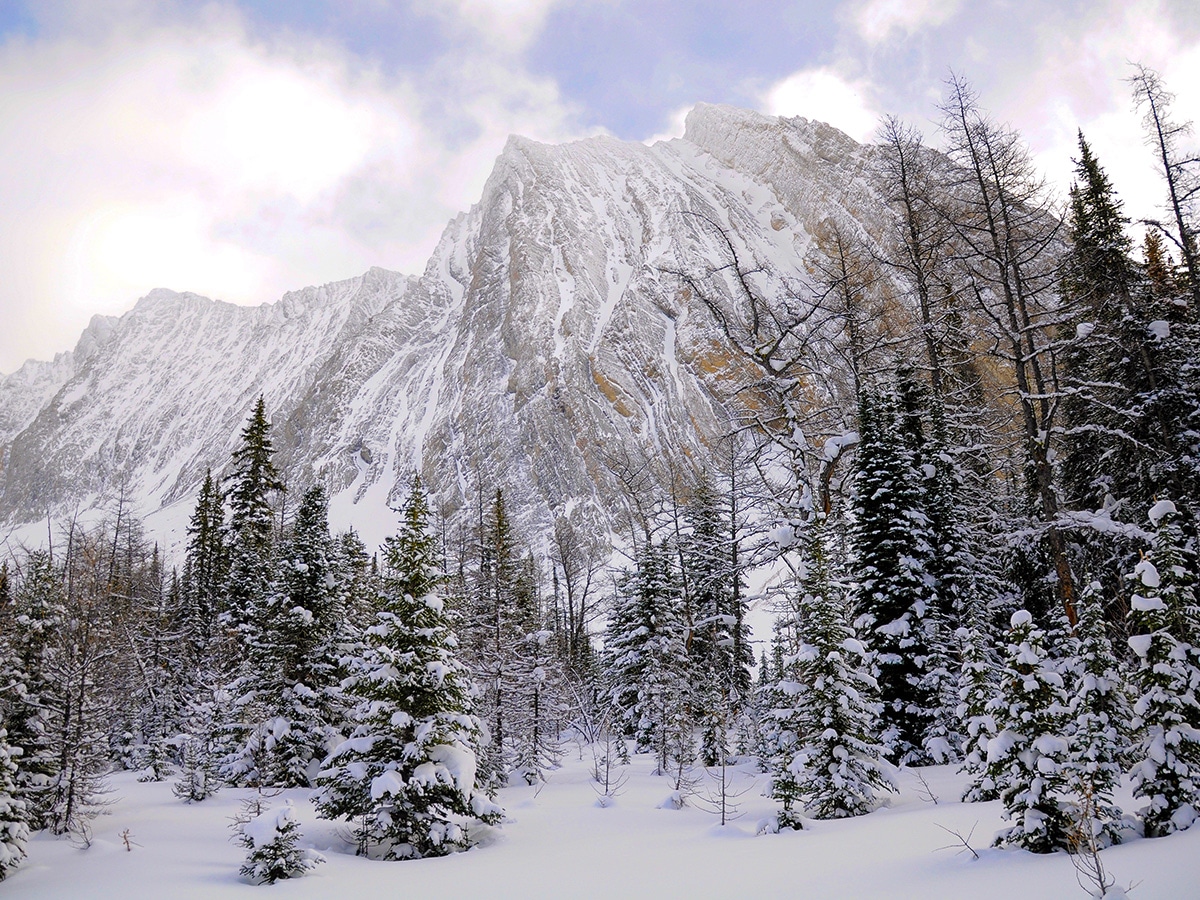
[{"x": 558, "y": 842}]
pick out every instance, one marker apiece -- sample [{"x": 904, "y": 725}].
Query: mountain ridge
[{"x": 546, "y": 348}]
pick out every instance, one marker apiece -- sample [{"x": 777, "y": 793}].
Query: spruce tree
[
  {"x": 828, "y": 761},
  {"x": 251, "y": 535},
  {"x": 1100, "y": 717},
  {"x": 648, "y": 684},
  {"x": 273, "y": 839},
  {"x": 1028, "y": 757},
  {"x": 253, "y": 598},
  {"x": 301, "y": 679},
  {"x": 1163, "y": 617},
  {"x": 890, "y": 549},
  {"x": 14, "y": 825},
  {"x": 406, "y": 777},
  {"x": 978, "y": 682},
  {"x": 205, "y": 575}
]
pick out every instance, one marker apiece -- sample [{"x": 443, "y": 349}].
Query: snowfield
[{"x": 558, "y": 842}]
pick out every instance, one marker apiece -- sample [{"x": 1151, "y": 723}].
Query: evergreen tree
[
  {"x": 1163, "y": 617},
  {"x": 503, "y": 615},
  {"x": 407, "y": 774},
  {"x": 647, "y": 655},
  {"x": 978, "y": 685},
  {"x": 14, "y": 826},
  {"x": 828, "y": 756},
  {"x": 890, "y": 548},
  {"x": 273, "y": 839},
  {"x": 1100, "y": 717},
  {"x": 1028, "y": 757},
  {"x": 301, "y": 647},
  {"x": 39, "y": 616},
  {"x": 206, "y": 723},
  {"x": 205, "y": 575},
  {"x": 719, "y": 651},
  {"x": 253, "y": 598},
  {"x": 251, "y": 535}
]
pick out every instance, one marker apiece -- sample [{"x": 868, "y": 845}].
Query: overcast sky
[{"x": 241, "y": 149}]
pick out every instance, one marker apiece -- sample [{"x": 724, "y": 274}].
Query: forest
[{"x": 970, "y": 461}]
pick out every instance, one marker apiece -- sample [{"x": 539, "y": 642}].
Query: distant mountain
[{"x": 547, "y": 349}]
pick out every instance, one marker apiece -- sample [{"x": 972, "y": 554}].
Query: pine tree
[
  {"x": 719, "y": 651},
  {"x": 273, "y": 839},
  {"x": 407, "y": 775},
  {"x": 1028, "y": 757},
  {"x": 39, "y": 615},
  {"x": 300, "y": 644},
  {"x": 647, "y": 655},
  {"x": 890, "y": 547},
  {"x": 14, "y": 825},
  {"x": 503, "y": 614},
  {"x": 206, "y": 720},
  {"x": 828, "y": 755},
  {"x": 205, "y": 575},
  {"x": 253, "y": 597},
  {"x": 251, "y": 534},
  {"x": 978, "y": 683},
  {"x": 1100, "y": 716},
  {"x": 1163, "y": 616}
]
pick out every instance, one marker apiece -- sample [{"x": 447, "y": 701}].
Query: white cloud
[
  {"x": 509, "y": 24},
  {"x": 190, "y": 155},
  {"x": 676, "y": 125},
  {"x": 877, "y": 20},
  {"x": 1080, "y": 85},
  {"x": 826, "y": 96}
]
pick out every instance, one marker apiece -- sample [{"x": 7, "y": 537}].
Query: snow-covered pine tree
[
  {"x": 503, "y": 614},
  {"x": 1165, "y": 679},
  {"x": 1028, "y": 757},
  {"x": 1100, "y": 714},
  {"x": 719, "y": 654},
  {"x": 828, "y": 759},
  {"x": 300, "y": 686},
  {"x": 663, "y": 695},
  {"x": 206, "y": 716},
  {"x": 204, "y": 578},
  {"x": 14, "y": 824},
  {"x": 890, "y": 551},
  {"x": 39, "y": 613},
  {"x": 159, "y": 671},
  {"x": 977, "y": 686},
  {"x": 273, "y": 839},
  {"x": 252, "y": 598},
  {"x": 539, "y": 692},
  {"x": 251, "y": 535},
  {"x": 406, "y": 777}
]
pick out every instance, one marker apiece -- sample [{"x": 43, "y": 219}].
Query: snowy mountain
[{"x": 547, "y": 349}]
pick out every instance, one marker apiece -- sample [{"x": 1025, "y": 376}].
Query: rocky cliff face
[{"x": 547, "y": 349}]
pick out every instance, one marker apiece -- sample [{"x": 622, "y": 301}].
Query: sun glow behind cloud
[{"x": 191, "y": 155}]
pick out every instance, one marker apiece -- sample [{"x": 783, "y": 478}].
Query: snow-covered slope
[{"x": 546, "y": 349}]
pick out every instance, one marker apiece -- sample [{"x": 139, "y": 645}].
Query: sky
[{"x": 243, "y": 149}]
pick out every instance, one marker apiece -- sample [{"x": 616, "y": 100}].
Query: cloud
[
  {"x": 508, "y": 24},
  {"x": 185, "y": 152},
  {"x": 1080, "y": 84},
  {"x": 675, "y": 126},
  {"x": 826, "y": 96},
  {"x": 877, "y": 20}
]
